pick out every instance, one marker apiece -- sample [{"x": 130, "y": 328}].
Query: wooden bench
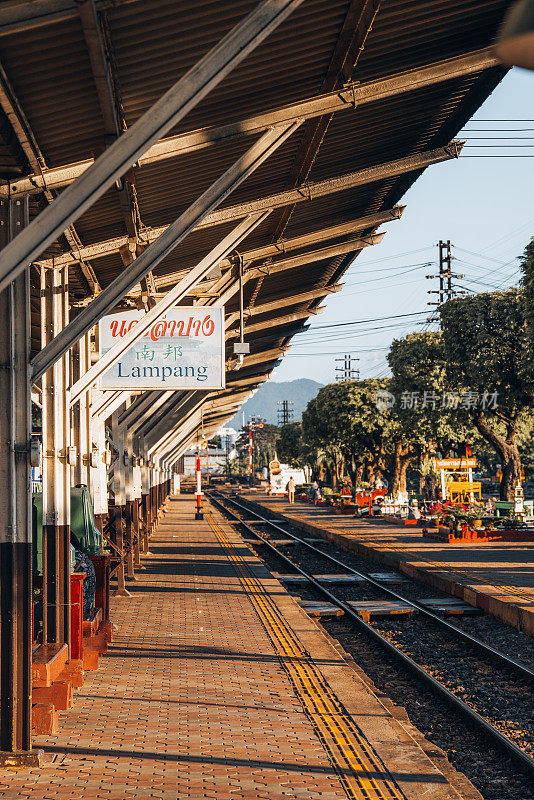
[
  {"x": 503, "y": 508},
  {"x": 49, "y": 660},
  {"x": 91, "y": 626},
  {"x": 48, "y": 663}
]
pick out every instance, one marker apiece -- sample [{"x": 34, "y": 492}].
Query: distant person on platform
[
  {"x": 316, "y": 494},
  {"x": 379, "y": 482},
  {"x": 291, "y": 489}
]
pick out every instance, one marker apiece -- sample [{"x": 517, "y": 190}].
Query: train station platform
[
  {"x": 495, "y": 576},
  {"x": 217, "y": 685}
]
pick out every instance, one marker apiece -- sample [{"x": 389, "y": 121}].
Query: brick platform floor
[
  {"x": 495, "y": 576},
  {"x": 193, "y": 699}
]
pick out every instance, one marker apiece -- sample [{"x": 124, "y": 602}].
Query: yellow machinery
[
  {"x": 457, "y": 483},
  {"x": 464, "y": 491}
]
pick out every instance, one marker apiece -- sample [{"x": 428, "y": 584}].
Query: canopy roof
[{"x": 396, "y": 80}]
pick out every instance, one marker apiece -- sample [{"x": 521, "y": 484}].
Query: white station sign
[{"x": 184, "y": 349}]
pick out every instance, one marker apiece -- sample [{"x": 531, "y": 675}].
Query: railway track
[{"x": 378, "y": 631}]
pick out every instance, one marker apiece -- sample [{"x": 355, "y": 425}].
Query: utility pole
[
  {"x": 347, "y": 371},
  {"x": 446, "y": 290},
  {"x": 285, "y": 413},
  {"x": 199, "y": 514},
  {"x": 227, "y": 449},
  {"x": 255, "y": 422}
]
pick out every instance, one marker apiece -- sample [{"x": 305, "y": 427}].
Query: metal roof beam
[
  {"x": 176, "y": 446},
  {"x": 277, "y": 322},
  {"x": 304, "y": 193},
  {"x": 17, "y": 16},
  {"x": 179, "y": 415},
  {"x": 180, "y": 402},
  {"x": 156, "y": 252},
  {"x": 291, "y": 300},
  {"x": 229, "y": 243},
  {"x": 148, "y": 421},
  {"x": 110, "y": 106},
  {"x": 312, "y": 256},
  {"x": 263, "y": 358},
  {"x": 143, "y": 406},
  {"x": 346, "y": 98},
  {"x": 26, "y": 138},
  {"x": 107, "y": 403},
  {"x": 284, "y": 245},
  {"x": 351, "y": 180},
  {"x": 232, "y": 284},
  {"x": 356, "y": 27},
  {"x": 184, "y": 143},
  {"x": 250, "y": 381},
  {"x": 198, "y": 415},
  {"x": 164, "y": 114}
]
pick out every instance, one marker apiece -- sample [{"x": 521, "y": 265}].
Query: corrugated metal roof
[{"x": 153, "y": 43}]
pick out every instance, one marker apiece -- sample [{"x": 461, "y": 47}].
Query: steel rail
[
  {"x": 512, "y": 664},
  {"x": 473, "y": 716}
]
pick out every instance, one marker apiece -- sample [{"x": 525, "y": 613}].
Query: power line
[
  {"x": 379, "y": 288},
  {"x": 398, "y": 255},
  {"x": 347, "y": 372},
  {"x": 336, "y": 352},
  {"x": 502, "y": 120},
  {"x": 393, "y": 275},
  {"x": 384, "y": 269},
  {"x": 362, "y": 321},
  {"x": 486, "y": 258}
]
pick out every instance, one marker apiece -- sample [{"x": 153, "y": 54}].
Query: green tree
[
  {"x": 488, "y": 352},
  {"x": 420, "y": 424},
  {"x": 527, "y": 268},
  {"x": 343, "y": 420},
  {"x": 264, "y": 440},
  {"x": 320, "y": 434},
  {"x": 290, "y": 445}
]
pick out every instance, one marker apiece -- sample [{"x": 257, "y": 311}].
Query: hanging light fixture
[{"x": 515, "y": 41}]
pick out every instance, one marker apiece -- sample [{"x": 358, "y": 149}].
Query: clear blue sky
[{"x": 484, "y": 205}]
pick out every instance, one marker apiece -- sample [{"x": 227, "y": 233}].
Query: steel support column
[
  {"x": 15, "y": 508},
  {"x": 56, "y": 469},
  {"x": 119, "y": 508},
  {"x": 131, "y": 516},
  {"x": 99, "y": 482},
  {"x": 81, "y": 414}
]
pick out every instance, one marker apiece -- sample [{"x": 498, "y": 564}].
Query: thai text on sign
[
  {"x": 184, "y": 349},
  {"x": 456, "y": 463}
]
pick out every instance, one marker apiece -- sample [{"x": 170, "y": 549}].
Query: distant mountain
[{"x": 265, "y": 401}]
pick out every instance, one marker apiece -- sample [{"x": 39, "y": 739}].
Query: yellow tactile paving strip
[
  {"x": 195, "y": 700},
  {"x": 349, "y": 751}
]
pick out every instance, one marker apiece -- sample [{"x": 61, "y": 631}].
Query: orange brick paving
[{"x": 191, "y": 700}]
